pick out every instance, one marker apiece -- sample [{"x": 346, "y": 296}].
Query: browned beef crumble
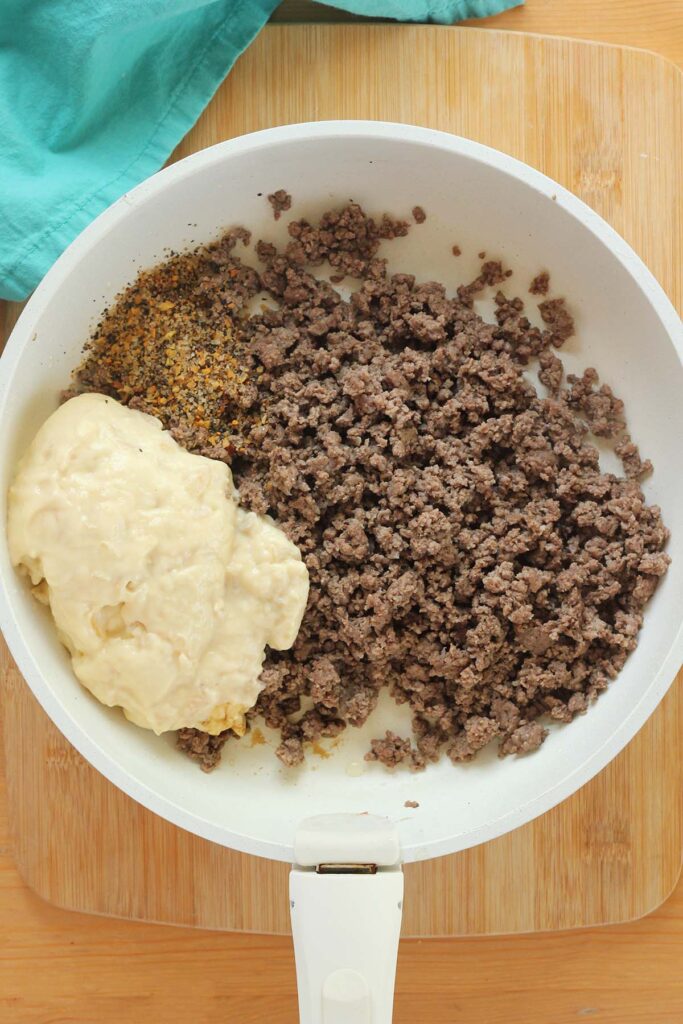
[
  {"x": 419, "y": 216},
  {"x": 550, "y": 371},
  {"x": 201, "y": 747},
  {"x": 540, "y": 284},
  {"x": 281, "y": 201},
  {"x": 347, "y": 239},
  {"x": 464, "y": 547}
]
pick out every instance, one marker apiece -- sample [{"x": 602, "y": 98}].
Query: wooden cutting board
[{"x": 604, "y": 121}]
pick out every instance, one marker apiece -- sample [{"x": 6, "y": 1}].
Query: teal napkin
[{"x": 95, "y": 94}]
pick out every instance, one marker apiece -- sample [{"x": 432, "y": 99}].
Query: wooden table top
[{"x": 59, "y": 968}]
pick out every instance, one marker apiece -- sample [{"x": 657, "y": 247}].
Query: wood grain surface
[
  {"x": 69, "y": 967},
  {"x": 612, "y": 852},
  {"x": 651, "y": 24}
]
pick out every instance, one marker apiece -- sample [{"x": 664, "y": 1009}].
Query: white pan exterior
[{"x": 479, "y": 199}]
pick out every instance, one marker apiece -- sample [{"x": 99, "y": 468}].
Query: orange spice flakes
[{"x": 171, "y": 346}]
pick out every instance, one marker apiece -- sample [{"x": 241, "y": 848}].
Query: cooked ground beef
[
  {"x": 201, "y": 747},
  {"x": 464, "y": 546},
  {"x": 540, "y": 284},
  {"x": 550, "y": 371},
  {"x": 346, "y": 239},
  {"x": 281, "y": 201}
]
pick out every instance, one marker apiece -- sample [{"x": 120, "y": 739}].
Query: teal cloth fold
[{"x": 95, "y": 95}]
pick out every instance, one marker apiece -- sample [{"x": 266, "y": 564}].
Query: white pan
[{"x": 346, "y": 925}]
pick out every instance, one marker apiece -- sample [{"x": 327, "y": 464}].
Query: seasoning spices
[{"x": 170, "y": 346}]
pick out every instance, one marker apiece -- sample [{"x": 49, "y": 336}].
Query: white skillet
[{"x": 346, "y": 925}]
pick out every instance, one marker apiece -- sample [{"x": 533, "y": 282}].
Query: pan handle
[{"x": 346, "y": 903}]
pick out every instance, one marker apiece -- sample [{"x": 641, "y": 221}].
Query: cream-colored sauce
[{"x": 164, "y": 591}]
